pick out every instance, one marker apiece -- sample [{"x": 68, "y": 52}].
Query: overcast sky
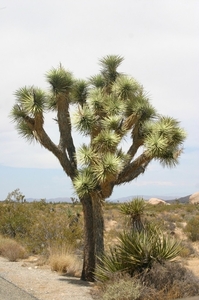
[{"x": 159, "y": 40}]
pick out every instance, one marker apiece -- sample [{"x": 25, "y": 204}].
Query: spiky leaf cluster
[
  {"x": 29, "y": 101},
  {"x": 137, "y": 251},
  {"x": 165, "y": 140},
  {"x": 134, "y": 207},
  {"x": 60, "y": 80}
]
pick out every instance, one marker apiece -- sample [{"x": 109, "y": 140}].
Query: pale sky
[{"x": 159, "y": 40}]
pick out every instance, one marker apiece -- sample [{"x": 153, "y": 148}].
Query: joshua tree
[{"x": 109, "y": 108}]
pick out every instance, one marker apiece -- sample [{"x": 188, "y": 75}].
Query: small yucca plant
[
  {"x": 135, "y": 210},
  {"x": 137, "y": 251}
]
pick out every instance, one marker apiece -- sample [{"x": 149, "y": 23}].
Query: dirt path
[{"x": 42, "y": 283}]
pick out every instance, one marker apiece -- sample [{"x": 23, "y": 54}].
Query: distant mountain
[
  {"x": 54, "y": 200},
  {"x": 145, "y": 197},
  {"x": 180, "y": 200},
  {"x": 168, "y": 199}
]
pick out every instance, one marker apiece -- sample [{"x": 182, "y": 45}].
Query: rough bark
[
  {"x": 64, "y": 123},
  {"x": 98, "y": 225},
  {"x": 134, "y": 169},
  {"x": 89, "y": 241}
]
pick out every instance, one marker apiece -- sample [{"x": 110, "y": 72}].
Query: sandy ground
[{"x": 42, "y": 283}]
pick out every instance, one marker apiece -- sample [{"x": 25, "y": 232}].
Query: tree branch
[
  {"x": 64, "y": 123},
  {"x": 36, "y": 125},
  {"x": 133, "y": 169}
]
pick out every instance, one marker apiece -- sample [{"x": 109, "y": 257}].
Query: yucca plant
[
  {"x": 137, "y": 251},
  {"x": 135, "y": 210}
]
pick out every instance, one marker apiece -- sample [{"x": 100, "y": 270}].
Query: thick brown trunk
[
  {"x": 98, "y": 226},
  {"x": 89, "y": 241}
]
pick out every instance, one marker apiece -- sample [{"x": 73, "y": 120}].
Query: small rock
[{"x": 156, "y": 201}]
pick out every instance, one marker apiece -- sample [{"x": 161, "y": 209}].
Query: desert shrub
[
  {"x": 121, "y": 288},
  {"x": 167, "y": 281},
  {"x": 174, "y": 280},
  {"x": 191, "y": 229},
  {"x": 11, "y": 249},
  {"x": 137, "y": 251},
  {"x": 191, "y": 208},
  {"x": 15, "y": 219},
  {"x": 187, "y": 249},
  {"x": 53, "y": 228},
  {"x": 38, "y": 225}
]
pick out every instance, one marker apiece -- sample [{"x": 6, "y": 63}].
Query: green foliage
[
  {"x": 191, "y": 229},
  {"x": 39, "y": 225},
  {"x": 31, "y": 99},
  {"x": 165, "y": 281},
  {"x": 135, "y": 210},
  {"x": 122, "y": 289},
  {"x": 137, "y": 251},
  {"x": 60, "y": 80},
  {"x": 15, "y": 219}
]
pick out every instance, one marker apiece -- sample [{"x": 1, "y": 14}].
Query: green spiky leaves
[
  {"x": 30, "y": 100},
  {"x": 84, "y": 182},
  {"x": 60, "y": 80},
  {"x": 25, "y": 131},
  {"x": 136, "y": 251},
  {"x": 98, "y": 167},
  {"x": 30, "y": 105},
  {"x": 86, "y": 155},
  {"x": 84, "y": 120},
  {"x": 163, "y": 143},
  {"x": 80, "y": 92},
  {"x": 126, "y": 88},
  {"x": 107, "y": 168},
  {"x": 106, "y": 141}
]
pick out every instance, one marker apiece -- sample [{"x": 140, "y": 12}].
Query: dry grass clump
[
  {"x": 65, "y": 262},
  {"x": 11, "y": 249}
]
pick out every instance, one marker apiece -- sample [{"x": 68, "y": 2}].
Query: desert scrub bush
[
  {"x": 120, "y": 288},
  {"x": 187, "y": 250},
  {"x": 191, "y": 208},
  {"x": 169, "y": 280},
  {"x": 15, "y": 219},
  {"x": 137, "y": 251},
  {"x": 11, "y": 249},
  {"x": 192, "y": 229},
  {"x": 53, "y": 227},
  {"x": 162, "y": 281}
]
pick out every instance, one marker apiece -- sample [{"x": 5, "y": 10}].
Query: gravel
[{"x": 39, "y": 283}]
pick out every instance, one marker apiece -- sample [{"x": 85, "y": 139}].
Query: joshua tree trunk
[
  {"x": 98, "y": 225},
  {"x": 89, "y": 241}
]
